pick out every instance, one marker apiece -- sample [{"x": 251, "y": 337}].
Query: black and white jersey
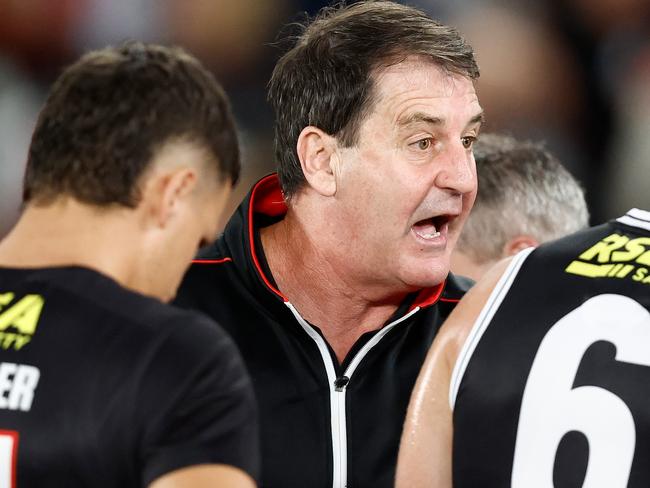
[
  {"x": 552, "y": 387},
  {"x": 102, "y": 387}
]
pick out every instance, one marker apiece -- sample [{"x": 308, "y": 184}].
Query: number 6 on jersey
[{"x": 551, "y": 407}]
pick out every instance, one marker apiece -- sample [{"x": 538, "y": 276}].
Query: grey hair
[{"x": 523, "y": 190}]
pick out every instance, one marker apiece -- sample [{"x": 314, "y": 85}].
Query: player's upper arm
[
  {"x": 426, "y": 446},
  {"x": 197, "y": 404},
  {"x": 205, "y": 476},
  {"x": 458, "y": 325}
]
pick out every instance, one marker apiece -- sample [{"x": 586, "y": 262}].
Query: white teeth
[{"x": 431, "y": 236}]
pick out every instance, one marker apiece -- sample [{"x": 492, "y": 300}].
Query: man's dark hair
[
  {"x": 326, "y": 79},
  {"x": 522, "y": 190},
  {"x": 110, "y": 112}
]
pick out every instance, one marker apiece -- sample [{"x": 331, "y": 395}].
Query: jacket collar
[{"x": 265, "y": 204}]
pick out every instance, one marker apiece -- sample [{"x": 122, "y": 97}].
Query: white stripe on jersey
[
  {"x": 485, "y": 317},
  {"x": 636, "y": 218}
]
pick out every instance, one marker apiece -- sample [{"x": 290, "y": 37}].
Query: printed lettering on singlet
[
  {"x": 551, "y": 407},
  {"x": 17, "y": 385},
  {"x": 615, "y": 256},
  {"x": 18, "y": 319}
]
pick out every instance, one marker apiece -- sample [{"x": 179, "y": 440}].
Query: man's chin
[{"x": 426, "y": 277}]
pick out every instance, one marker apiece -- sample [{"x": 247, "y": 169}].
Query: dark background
[{"x": 574, "y": 73}]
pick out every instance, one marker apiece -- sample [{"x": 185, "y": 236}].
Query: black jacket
[{"x": 323, "y": 425}]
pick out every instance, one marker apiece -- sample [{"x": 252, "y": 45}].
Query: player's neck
[
  {"x": 321, "y": 288},
  {"x": 69, "y": 233}
]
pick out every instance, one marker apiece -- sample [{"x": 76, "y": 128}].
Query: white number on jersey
[{"x": 551, "y": 407}]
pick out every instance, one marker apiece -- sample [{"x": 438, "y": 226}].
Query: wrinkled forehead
[
  {"x": 419, "y": 75},
  {"x": 417, "y": 88}
]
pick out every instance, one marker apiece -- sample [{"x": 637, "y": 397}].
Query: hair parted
[
  {"x": 109, "y": 113},
  {"x": 523, "y": 190},
  {"x": 326, "y": 79}
]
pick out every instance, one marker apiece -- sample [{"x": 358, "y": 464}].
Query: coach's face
[{"x": 407, "y": 186}]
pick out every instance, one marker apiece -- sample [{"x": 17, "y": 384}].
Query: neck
[
  {"x": 69, "y": 233},
  {"x": 321, "y": 284}
]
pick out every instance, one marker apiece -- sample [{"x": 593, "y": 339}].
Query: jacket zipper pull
[{"x": 341, "y": 382}]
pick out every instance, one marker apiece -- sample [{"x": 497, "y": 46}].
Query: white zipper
[
  {"x": 339, "y": 438},
  {"x": 338, "y": 388}
]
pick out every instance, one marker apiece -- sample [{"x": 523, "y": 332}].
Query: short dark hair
[
  {"x": 108, "y": 114},
  {"x": 325, "y": 80},
  {"x": 523, "y": 189}
]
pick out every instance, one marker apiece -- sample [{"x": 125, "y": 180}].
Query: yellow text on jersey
[
  {"x": 18, "y": 319},
  {"x": 615, "y": 256}
]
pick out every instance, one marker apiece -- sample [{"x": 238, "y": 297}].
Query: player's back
[
  {"x": 95, "y": 380},
  {"x": 552, "y": 387}
]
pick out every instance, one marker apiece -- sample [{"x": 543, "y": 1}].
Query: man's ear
[
  {"x": 319, "y": 159},
  {"x": 519, "y": 243},
  {"x": 166, "y": 191}
]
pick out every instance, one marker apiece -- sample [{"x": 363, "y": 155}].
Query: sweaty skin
[
  {"x": 207, "y": 476},
  {"x": 426, "y": 447}
]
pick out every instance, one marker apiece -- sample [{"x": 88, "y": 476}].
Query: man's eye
[
  {"x": 467, "y": 141},
  {"x": 424, "y": 144}
]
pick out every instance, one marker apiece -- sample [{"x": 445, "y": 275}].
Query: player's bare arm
[
  {"x": 205, "y": 476},
  {"x": 426, "y": 446}
]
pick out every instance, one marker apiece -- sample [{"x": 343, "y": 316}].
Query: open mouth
[{"x": 432, "y": 228}]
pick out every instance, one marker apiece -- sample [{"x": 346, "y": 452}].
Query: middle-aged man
[
  {"x": 539, "y": 378},
  {"x": 131, "y": 161},
  {"x": 526, "y": 197},
  {"x": 332, "y": 276}
]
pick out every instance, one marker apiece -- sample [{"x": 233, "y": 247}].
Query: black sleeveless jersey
[
  {"x": 552, "y": 387},
  {"x": 102, "y": 387}
]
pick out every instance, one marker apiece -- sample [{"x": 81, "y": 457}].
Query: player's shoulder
[
  {"x": 92, "y": 297},
  {"x": 612, "y": 235},
  {"x": 471, "y": 310},
  {"x": 575, "y": 241},
  {"x": 168, "y": 334},
  {"x": 189, "y": 332}
]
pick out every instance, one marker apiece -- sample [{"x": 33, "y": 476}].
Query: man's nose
[{"x": 457, "y": 171}]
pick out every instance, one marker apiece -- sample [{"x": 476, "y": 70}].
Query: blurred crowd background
[{"x": 573, "y": 73}]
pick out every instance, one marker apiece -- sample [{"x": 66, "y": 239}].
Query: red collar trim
[
  {"x": 428, "y": 296},
  {"x": 211, "y": 261},
  {"x": 450, "y": 300},
  {"x": 267, "y": 199}
]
